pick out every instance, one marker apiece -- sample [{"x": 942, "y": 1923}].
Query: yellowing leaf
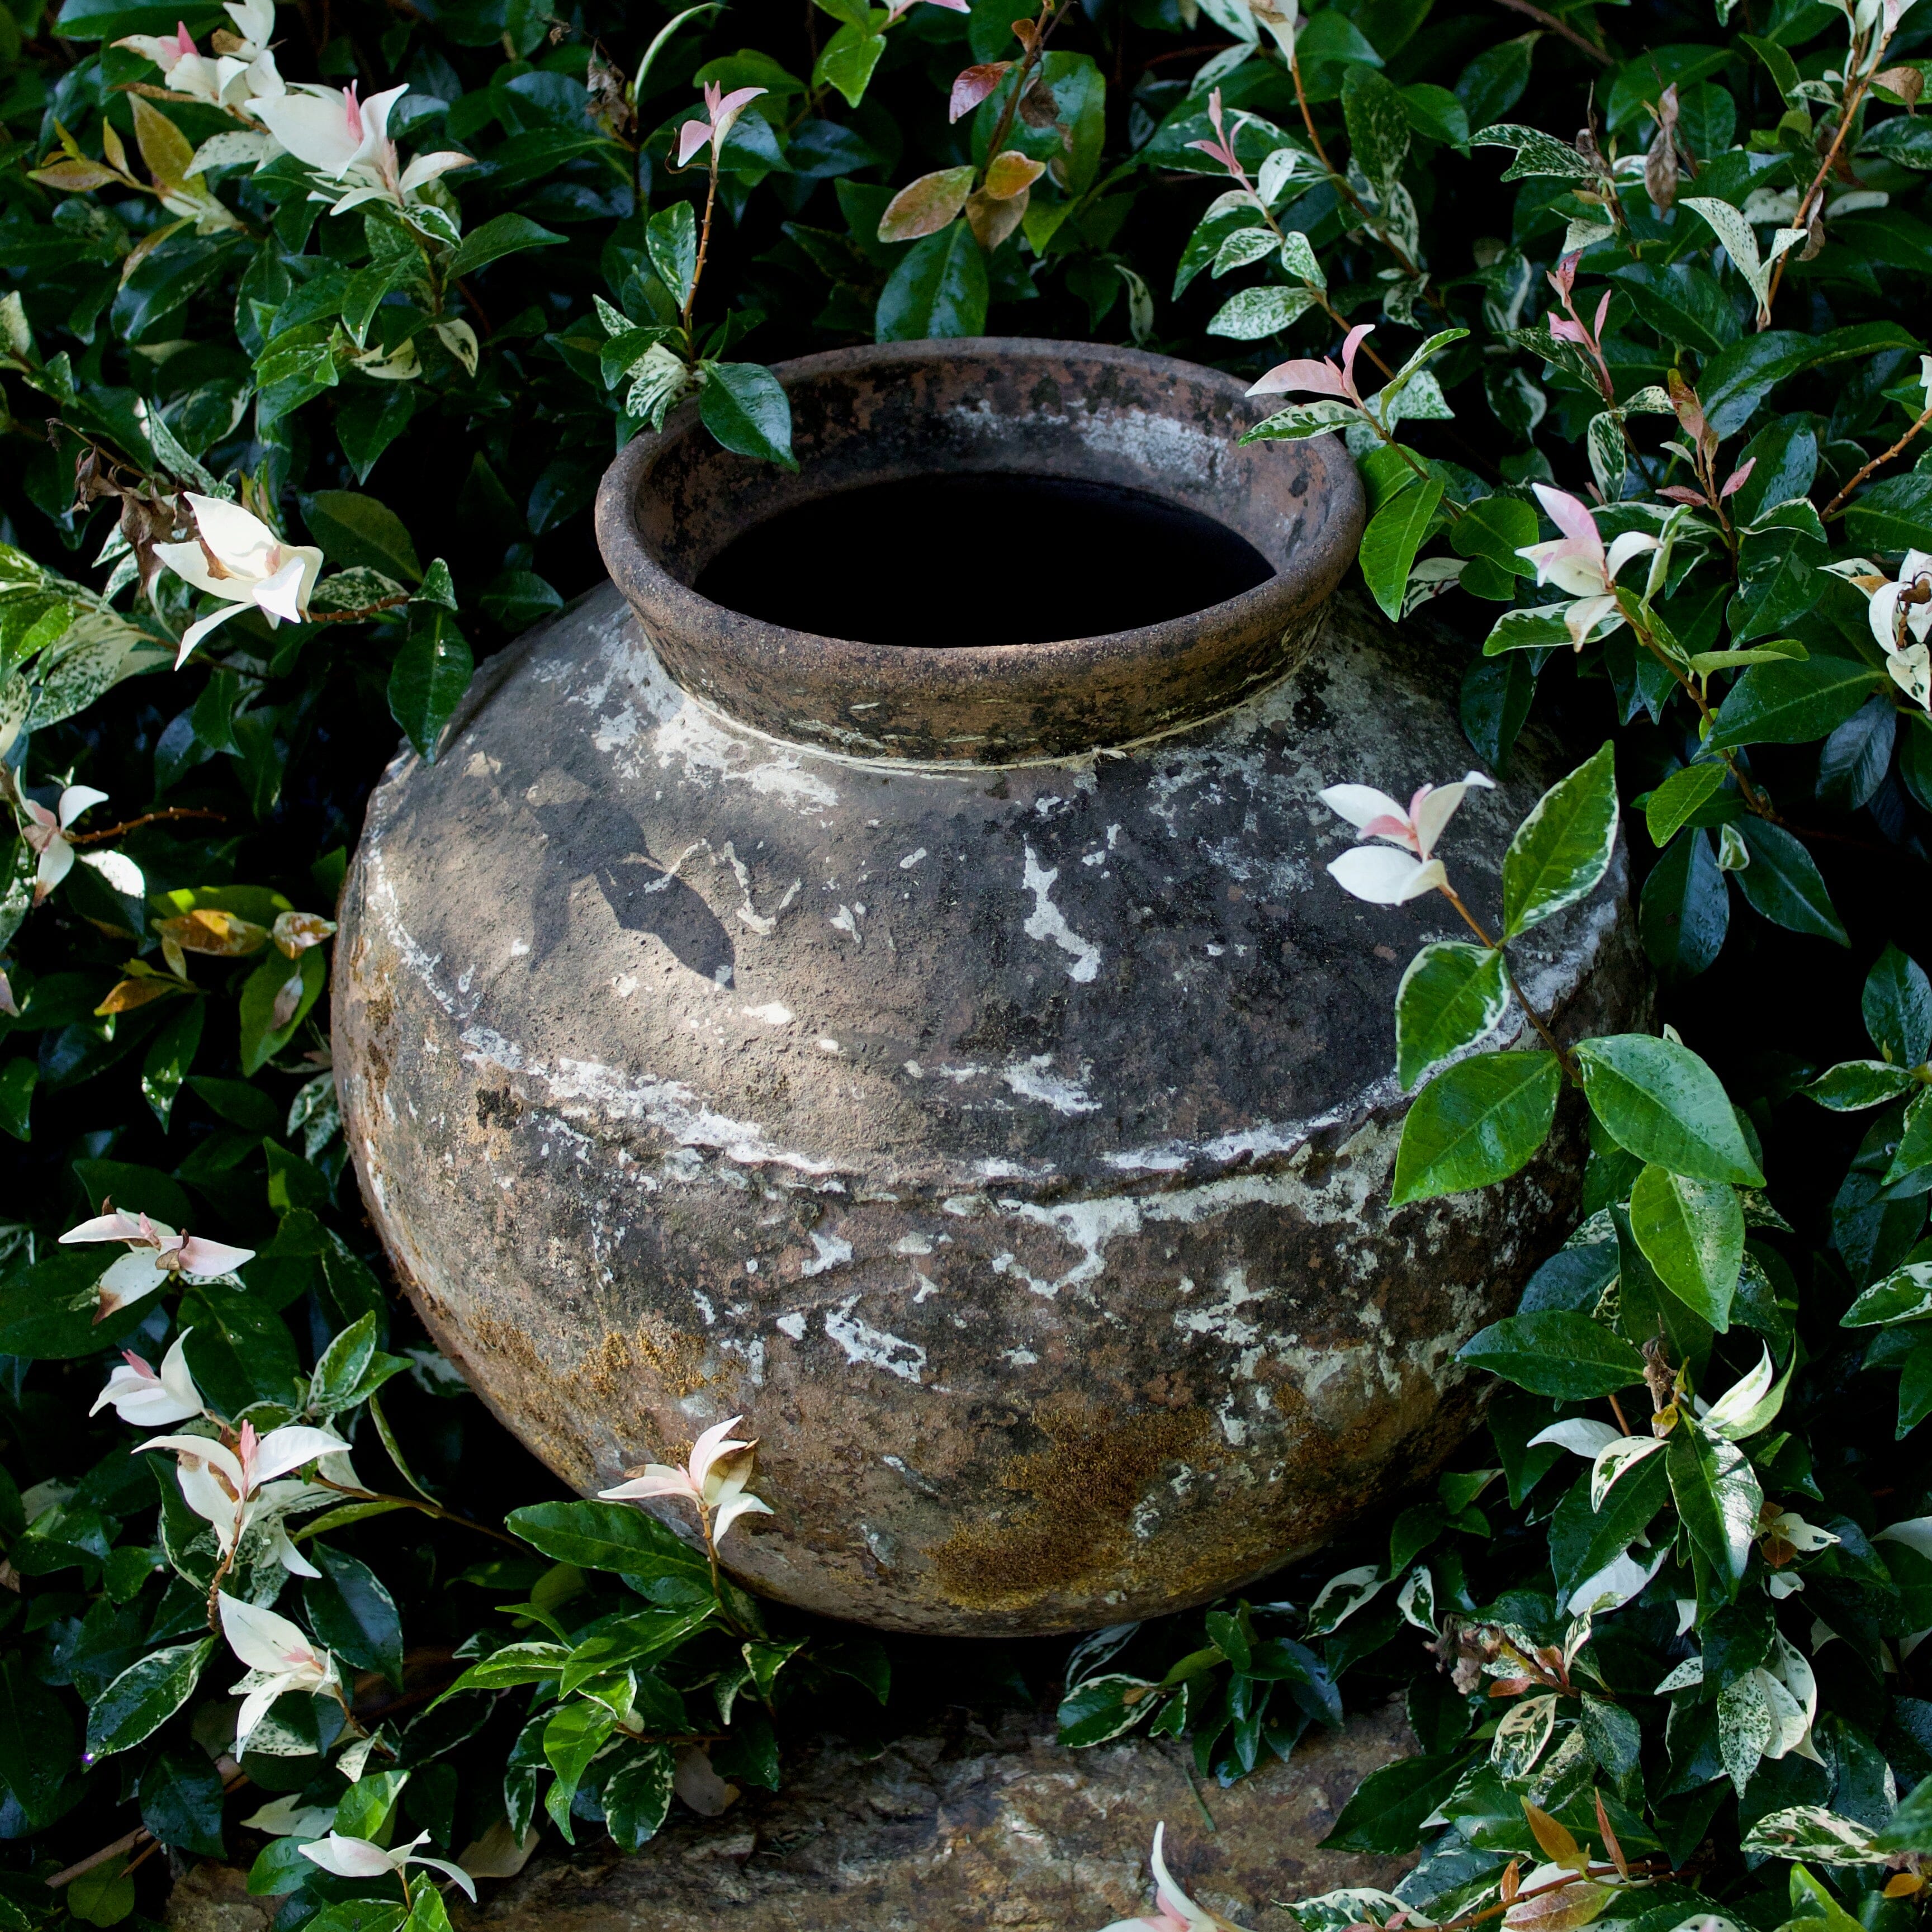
[
  {"x": 168, "y": 152},
  {"x": 1562, "y": 1910},
  {"x": 1010, "y": 172},
  {"x": 1558, "y": 1844},
  {"x": 925, "y": 206}
]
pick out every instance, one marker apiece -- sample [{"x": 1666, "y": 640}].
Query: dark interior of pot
[{"x": 942, "y": 562}]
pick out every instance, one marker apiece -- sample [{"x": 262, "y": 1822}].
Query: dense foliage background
[{"x": 1679, "y": 1681}]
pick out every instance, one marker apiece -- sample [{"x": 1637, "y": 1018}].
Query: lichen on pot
[{"x": 954, "y": 1061}]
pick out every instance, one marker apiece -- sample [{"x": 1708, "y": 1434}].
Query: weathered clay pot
[{"x": 957, "y": 1063}]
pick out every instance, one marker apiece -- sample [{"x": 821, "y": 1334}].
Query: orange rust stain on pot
[{"x": 1085, "y": 1490}]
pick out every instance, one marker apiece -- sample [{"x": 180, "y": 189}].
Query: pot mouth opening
[{"x": 949, "y": 560}]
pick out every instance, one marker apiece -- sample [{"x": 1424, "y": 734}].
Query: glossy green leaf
[
  {"x": 1451, "y": 995},
  {"x": 1477, "y": 1122},
  {"x": 939, "y": 288},
  {"x": 1393, "y": 536},
  {"x": 608, "y": 1536},
  {"x": 670, "y": 238},
  {"x": 145, "y": 1696},
  {"x": 1897, "y": 1003},
  {"x": 1718, "y": 1498},
  {"x": 1692, "y": 1232},
  {"x": 1783, "y": 883},
  {"x": 506, "y": 234},
  {"x": 1792, "y": 702},
  {"x": 1663, "y": 1104},
  {"x": 1563, "y": 848},
  {"x": 355, "y": 530},
  {"x": 431, "y": 673},
  {"x": 1556, "y": 1352},
  {"x": 745, "y": 406}
]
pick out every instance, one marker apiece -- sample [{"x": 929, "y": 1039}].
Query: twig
[
  {"x": 1536, "y": 1019},
  {"x": 1616, "y": 1409},
  {"x": 233, "y": 1778},
  {"x": 146, "y": 818},
  {"x": 1836, "y": 505},
  {"x": 1569, "y": 33},
  {"x": 1807, "y": 208},
  {"x": 1036, "y": 49},
  {"x": 430, "y": 1509}
]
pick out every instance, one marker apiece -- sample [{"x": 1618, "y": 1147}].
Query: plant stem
[
  {"x": 1048, "y": 20},
  {"x": 1807, "y": 208},
  {"x": 703, "y": 248},
  {"x": 146, "y": 818},
  {"x": 428, "y": 1509},
  {"x": 1836, "y": 506},
  {"x": 1536, "y": 1019},
  {"x": 1556, "y": 26}
]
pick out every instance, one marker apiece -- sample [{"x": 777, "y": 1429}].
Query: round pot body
[{"x": 957, "y": 1063}]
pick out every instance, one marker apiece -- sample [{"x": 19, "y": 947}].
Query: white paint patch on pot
[
  {"x": 793, "y": 1325},
  {"x": 862, "y": 1342},
  {"x": 1047, "y": 922},
  {"x": 1034, "y": 1080},
  {"x": 832, "y": 1252},
  {"x": 772, "y": 1013}
]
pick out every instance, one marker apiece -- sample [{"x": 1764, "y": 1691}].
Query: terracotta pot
[{"x": 956, "y": 1063}]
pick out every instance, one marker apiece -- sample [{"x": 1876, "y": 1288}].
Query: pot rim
[{"x": 989, "y": 704}]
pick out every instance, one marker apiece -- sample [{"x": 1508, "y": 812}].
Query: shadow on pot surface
[{"x": 950, "y": 1056}]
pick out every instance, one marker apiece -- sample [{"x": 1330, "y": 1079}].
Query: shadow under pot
[{"x": 827, "y": 977}]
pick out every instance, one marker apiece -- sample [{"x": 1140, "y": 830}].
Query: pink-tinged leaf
[
  {"x": 1737, "y": 479},
  {"x": 1677, "y": 494},
  {"x": 973, "y": 85},
  {"x": 1010, "y": 172},
  {"x": 1563, "y": 1909},
  {"x": 1562, "y": 329},
  {"x": 1220, "y": 151},
  {"x": 1570, "y": 516},
  {"x": 690, "y": 138},
  {"x": 955, "y": 6},
  {"x": 926, "y": 205},
  {"x": 1352, "y": 341},
  {"x": 1321, "y": 378},
  {"x": 1562, "y": 278}
]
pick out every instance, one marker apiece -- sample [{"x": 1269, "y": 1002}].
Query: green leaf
[
  {"x": 264, "y": 993},
  {"x": 637, "y": 1796},
  {"x": 571, "y": 1739},
  {"x": 1853, "y": 1085},
  {"x": 1678, "y": 798},
  {"x": 36, "y": 1743},
  {"x": 670, "y": 238},
  {"x": 1791, "y": 703},
  {"x": 1452, "y": 994},
  {"x": 1563, "y": 848},
  {"x": 1100, "y": 1709},
  {"x": 1378, "y": 124},
  {"x": 1385, "y": 1812},
  {"x": 1904, "y": 1295},
  {"x": 355, "y": 530},
  {"x": 17, "y": 1094},
  {"x": 145, "y": 1696},
  {"x": 352, "y": 1612},
  {"x": 1910, "y": 1828},
  {"x": 1897, "y": 1007},
  {"x": 608, "y": 1536},
  {"x": 1692, "y": 1232},
  {"x": 745, "y": 406},
  {"x": 1557, "y": 1352},
  {"x": 939, "y": 288},
  {"x": 1582, "y": 1539},
  {"x": 169, "y": 1057},
  {"x": 507, "y": 235},
  {"x": 180, "y": 1801},
  {"x": 1894, "y": 514},
  {"x": 1490, "y": 533},
  {"x": 1718, "y": 1499},
  {"x": 848, "y": 62},
  {"x": 1477, "y": 1122},
  {"x": 431, "y": 673},
  {"x": 1537, "y": 153},
  {"x": 1392, "y": 539},
  {"x": 1783, "y": 884},
  {"x": 1662, "y": 1103},
  {"x": 1915, "y": 1143}
]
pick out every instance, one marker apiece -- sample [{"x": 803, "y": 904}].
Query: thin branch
[
  {"x": 430, "y": 1509},
  {"x": 1836, "y": 506},
  {"x": 1553, "y": 25},
  {"x": 1536, "y": 1019},
  {"x": 146, "y": 818}
]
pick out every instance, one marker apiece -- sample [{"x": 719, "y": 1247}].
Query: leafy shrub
[{"x": 312, "y": 350}]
